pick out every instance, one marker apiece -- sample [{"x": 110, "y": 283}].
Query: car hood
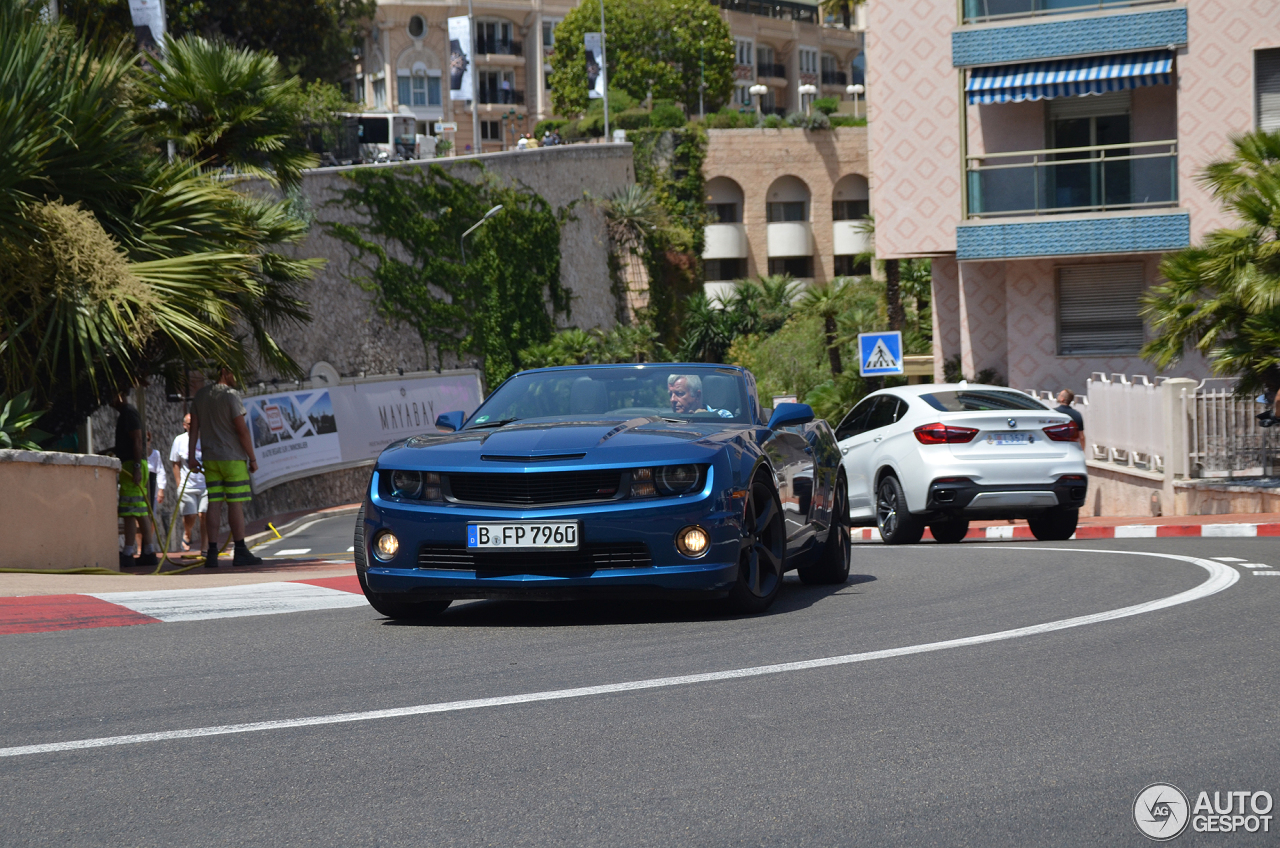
[{"x": 598, "y": 441}]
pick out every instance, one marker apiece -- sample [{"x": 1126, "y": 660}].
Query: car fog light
[
  {"x": 385, "y": 545},
  {"x": 693, "y": 541}
]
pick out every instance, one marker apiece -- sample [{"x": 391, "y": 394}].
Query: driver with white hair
[{"x": 686, "y": 395}]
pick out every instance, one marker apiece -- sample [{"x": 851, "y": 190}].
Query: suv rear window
[{"x": 980, "y": 400}]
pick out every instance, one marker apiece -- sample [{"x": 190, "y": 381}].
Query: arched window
[
  {"x": 787, "y": 200},
  {"x": 724, "y": 201},
  {"x": 418, "y": 80},
  {"x": 850, "y": 198}
]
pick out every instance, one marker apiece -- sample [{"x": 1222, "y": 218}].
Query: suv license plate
[
  {"x": 1009, "y": 438},
  {"x": 524, "y": 535}
]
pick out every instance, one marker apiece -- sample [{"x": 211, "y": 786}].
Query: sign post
[{"x": 880, "y": 354}]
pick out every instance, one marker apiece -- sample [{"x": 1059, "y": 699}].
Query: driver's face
[{"x": 683, "y": 400}]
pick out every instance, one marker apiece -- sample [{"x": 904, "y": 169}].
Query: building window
[
  {"x": 722, "y": 213},
  {"x": 1098, "y": 309},
  {"x": 742, "y": 95},
  {"x": 491, "y": 130},
  {"x": 791, "y": 210},
  {"x": 494, "y": 37},
  {"x": 379, "y": 94},
  {"x": 764, "y": 60},
  {"x": 1266, "y": 64},
  {"x": 849, "y": 266},
  {"x": 850, "y": 210},
  {"x": 433, "y": 91},
  {"x": 797, "y": 266},
  {"x": 403, "y": 85},
  {"x": 549, "y": 36},
  {"x": 417, "y": 26},
  {"x": 723, "y": 270},
  {"x": 808, "y": 61},
  {"x": 743, "y": 49}
]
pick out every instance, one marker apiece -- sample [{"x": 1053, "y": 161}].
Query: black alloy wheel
[
  {"x": 896, "y": 523},
  {"x": 832, "y": 565},
  {"x": 949, "y": 530},
  {"x": 763, "y": 552}
]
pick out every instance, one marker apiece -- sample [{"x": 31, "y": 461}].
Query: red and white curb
[
  {"x": 40, "y": 613},
  {"x": 1122, "y": 531}
]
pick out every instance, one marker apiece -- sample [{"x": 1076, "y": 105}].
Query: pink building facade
[{"x": 1044, "y": 153}]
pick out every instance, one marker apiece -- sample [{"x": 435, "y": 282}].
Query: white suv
[{"x": 939, "y": 455}]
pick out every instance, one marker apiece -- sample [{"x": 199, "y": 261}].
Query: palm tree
[
  {"x": 826, "y": 301},
  {"x": 632, "y": 214},
  {"x": 229, "y": 107},
  {"x": 1222, "y": 297},
  {"x": 892, "y": 277},
  {"x": 842, "y": 9}
]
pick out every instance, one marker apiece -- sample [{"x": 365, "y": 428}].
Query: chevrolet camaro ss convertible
[{"x": 626, "y": 481}]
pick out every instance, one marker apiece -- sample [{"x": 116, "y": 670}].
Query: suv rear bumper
[{"x": 964, "y": 498}]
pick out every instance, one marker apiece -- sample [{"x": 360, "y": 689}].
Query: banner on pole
[
  {"x": 595, "y": 79},
  {"x": 460, "y": 45},
  {"x": 148, "y": 24},
  {"x": 310, "y": 431}
]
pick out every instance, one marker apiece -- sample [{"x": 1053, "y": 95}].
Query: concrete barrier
[{"x": 58, "y": 510}]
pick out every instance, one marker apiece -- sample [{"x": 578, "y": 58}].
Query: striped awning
[{"x": 1068, "y": 77}]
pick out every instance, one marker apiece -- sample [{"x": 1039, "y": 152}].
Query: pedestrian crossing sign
[{"x": 880, "y": 354}]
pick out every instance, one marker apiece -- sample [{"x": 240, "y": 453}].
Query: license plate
[
  {"x": 1009, "y": 438},
  {"x": 524, "y": 535}
]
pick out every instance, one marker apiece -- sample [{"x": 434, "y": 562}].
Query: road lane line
[
  {"x": 1221, "y": 577},
  {"x": 1227, "y": 559}
]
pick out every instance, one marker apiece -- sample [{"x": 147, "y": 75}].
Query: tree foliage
[
  {"x": 654, "y": 48},
  {"x": 492, "y": 305},
  {"x": 1222, "y": 297},
  {"x": 585, "y": 347}
]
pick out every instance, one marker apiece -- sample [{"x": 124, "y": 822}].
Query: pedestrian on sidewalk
[
  {"x": 1065, "y": 397},
  {"x": 194, "y": 507},
  {"x": 132, "y": 505},
  {"x": 218, "y": 426}
]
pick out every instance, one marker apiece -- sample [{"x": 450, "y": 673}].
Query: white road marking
[
  {"x": 1254, "y": 565},
  {"x": 1227, "y": 559},
  {"x": 1229, "y": 530},
  {"x": 1000, "y": 532},
  {"x": 1221, "y": 577},
  {"x": 350, "y": 549},
  {"x": 292, "y": 552},
  {"x": 1264, "y": 572},
  {"x": 1136, "y": 531},
  {"x": 232, "y": 601}
]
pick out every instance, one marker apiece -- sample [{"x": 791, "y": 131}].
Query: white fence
[{"x": 1175, "y": 427}]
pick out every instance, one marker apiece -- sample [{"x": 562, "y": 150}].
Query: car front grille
[
  {"x": 589, "y": 557},
  {"x": 540, "y": 489}
]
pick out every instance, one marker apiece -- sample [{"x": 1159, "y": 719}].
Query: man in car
[
  {"x": 685, "y": 391},
  {"x": 1065, "y": 397}
]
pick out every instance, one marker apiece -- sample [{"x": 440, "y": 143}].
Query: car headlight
[
  {"x": 416, "y": 485},
  {"x": 666, "y": 480}
]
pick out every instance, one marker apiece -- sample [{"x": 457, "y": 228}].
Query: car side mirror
[
  {"x": 450, "y": 422},
  {"x": 790, "y": 415}
]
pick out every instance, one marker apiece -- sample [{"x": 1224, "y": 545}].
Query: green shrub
[
  {"x": 826, "y": 105},
  {"x": 847, "y": 121},
  {"x": 729, "y": 118},
  {"x": 773, "y": 122},
  {"x": 631, "y": 119},
  {"x": 667, "y": 115},
  {"x": 549, "y": 125}
]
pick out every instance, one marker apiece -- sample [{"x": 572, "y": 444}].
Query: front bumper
[
  {"x": 975, "y": 500},
  {"x": 434, "y": 536}
]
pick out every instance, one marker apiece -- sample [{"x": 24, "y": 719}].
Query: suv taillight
[
  {"x": 1068, "y": 432},
  {"x": 941, "y": 434}
]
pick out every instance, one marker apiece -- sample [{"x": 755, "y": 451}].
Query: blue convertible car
[{"x": 662, "y": 480}]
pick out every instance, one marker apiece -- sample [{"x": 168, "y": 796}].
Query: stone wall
[{"x": 60, "y": 509}]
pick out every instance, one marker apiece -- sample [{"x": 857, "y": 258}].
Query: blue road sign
[{"x": 880, "y": 354}]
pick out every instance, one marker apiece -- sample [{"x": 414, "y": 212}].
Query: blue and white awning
[{"x": 1068, "y": 77}]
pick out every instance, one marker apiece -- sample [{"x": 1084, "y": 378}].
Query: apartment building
[
  {"x": 1045, "y": 153},
  {"x": 403, "y": 64}
]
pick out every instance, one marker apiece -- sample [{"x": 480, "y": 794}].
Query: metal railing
[
  {"x": 981, "y": 11},
  {"x": 781, "y": 9},
  {"x": 1073, "y": 179},
  {"x": 498, "y": 47},
  {"x": 1223, "y": 436},
  {"x": 504, "y": 96},
  {"x": 834, "y": 77},
  {"x": 766, "y": 69}
]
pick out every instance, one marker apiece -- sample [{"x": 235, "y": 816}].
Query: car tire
[
  {"x": 896, "y": 523},
  {"x": 832, "y": 565},
  {"x": 762, "y": 554},
  {"x": 950, "y": 531},
  {"x": 1054, "y": 525},
  {"x": 391, "y": 609}
]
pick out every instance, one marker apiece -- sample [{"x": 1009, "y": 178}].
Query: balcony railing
[
  {"x": 1101, "y": 178},
  {"x": 504, "y": 96},
  {"x": 833, "y": 77},
  {"x": 766, "y": 69},
  {"x": 498, "y": 47},
  {"x": 980, "y": 11},
  {"x": 782, "y": 9}
]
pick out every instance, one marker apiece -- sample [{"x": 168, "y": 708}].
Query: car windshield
[
  {"x": 980, "y": 400},
  {"x": 682, "y": 392}
]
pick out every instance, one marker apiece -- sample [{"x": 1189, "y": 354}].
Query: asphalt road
[{"x": 1040, "y": 739}]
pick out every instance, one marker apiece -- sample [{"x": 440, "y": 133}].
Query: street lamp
[
  {"x": 807, "y": 89},
  {"x": 462, "y": 240},
  {"x": 855, "y": 91},
  {"x": 758, "y": 91}
]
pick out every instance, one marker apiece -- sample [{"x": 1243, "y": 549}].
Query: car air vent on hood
[{"x": 554, "y": 457}]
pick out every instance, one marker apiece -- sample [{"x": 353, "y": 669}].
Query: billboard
[
  {"x": 309, "y": 431},
  {"x": 460, "y": 87},
  {"x": 595, "y": 76}
]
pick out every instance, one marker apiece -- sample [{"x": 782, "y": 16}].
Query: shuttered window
[
  {"x": 1266, "y": 76},
  {"x": 1098, "y": 309}
]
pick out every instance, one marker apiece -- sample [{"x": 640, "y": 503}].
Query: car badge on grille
[{"x": 1013, "y": 423}]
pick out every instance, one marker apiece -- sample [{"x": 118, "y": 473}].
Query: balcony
[
  {"x": 780, "y": 9},
  {"x": 767, "y": 69},
  {"x": 725, "y": 241},
  {"x": 850, "y": 238},
  {"x": 981, "y": 11},
  {"x": 789, "y": 239},
  {"x": 1114, "y": 28},
  {"x": 501, "y": 96},
  {"x": 1102, "y": 178},
  {"x": 834, "y": 77},
  {"x": 498, "y": 47}
]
